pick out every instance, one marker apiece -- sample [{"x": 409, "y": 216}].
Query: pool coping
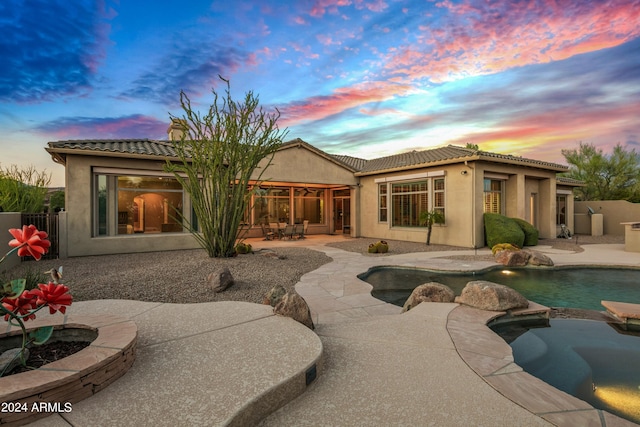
[{"x": 491, "y": 358}]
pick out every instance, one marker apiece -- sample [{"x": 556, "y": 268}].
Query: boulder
[
  {"x": 538, "y": 258},
  {"x": 294, "y": 306},
  {"x": 274, "y": 296},
  {"x": 220, "y": 280},
  {"x": 491, "y": 296},
  {"x": 513, "y": 258},
  {"x": 429, "y": 292}
]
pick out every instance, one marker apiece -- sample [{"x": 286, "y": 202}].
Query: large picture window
[
  {"x": 274, "y": 204},
  {"x": 408, "y": 200},
  {"x": 493, "y": 195},
  {"x": 134, "y": 204}
]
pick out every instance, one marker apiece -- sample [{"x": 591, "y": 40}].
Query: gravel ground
[{"x": 180, "y": 276}]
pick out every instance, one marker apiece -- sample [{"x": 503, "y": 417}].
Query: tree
[
  {"x": 472, "y": 146},
  {"x": 613, "y": 177},
  {"x": 428, "y": 218},
  {"x": 218, "y": 155},
  {"x": 56, "y": 201},
  {"x": 23, "y": 190}
]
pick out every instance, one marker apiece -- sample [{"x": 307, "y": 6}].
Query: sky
[{"x": 365, "y": 78}]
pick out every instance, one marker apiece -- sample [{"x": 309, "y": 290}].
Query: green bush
[
  {"x": 530, "y": 232},
  {"x": 500, "y": 229}
]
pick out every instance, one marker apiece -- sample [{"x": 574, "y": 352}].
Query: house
[{"x": 120, "y": 200}]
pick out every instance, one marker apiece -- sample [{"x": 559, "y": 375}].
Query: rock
[
  {"x": 274, "y": 296},
  {"x": 538, "y": 258},
  {"x": 429, "y": 292},
  {"x": 220, "y": 280},
  {"x": 294, "y": 306},
  {"x": 491, "y": 296},
  {"x": 11, "y": 358},
  {"x": 513, "y": 258}
]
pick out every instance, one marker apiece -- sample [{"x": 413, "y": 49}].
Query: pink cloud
[
  {"x": 485, "y": 38},
  {"x": 342, "y": 99}
]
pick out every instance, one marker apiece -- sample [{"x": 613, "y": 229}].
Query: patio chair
[
  {"x": 289, "y": 231},
  {"x": 267, "y": 233},
  {"x": 299, "y": 231},
  {"x": 275, "y": 229}
]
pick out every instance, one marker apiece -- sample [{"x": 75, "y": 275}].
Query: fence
[{"x": 46, "y": 222}]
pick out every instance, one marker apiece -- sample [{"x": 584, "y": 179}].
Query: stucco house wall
[
  {"x": 79, "y": 207},
  {"x": 529, "y": 191},
  {"x": 614, "y": 212}
]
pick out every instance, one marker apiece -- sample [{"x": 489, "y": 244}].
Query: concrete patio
[{"x": 231, "y": 363}]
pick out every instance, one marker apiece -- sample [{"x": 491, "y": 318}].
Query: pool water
[
  {"x": 591, "y": 360},
  {"x": 552, "y": 287}
]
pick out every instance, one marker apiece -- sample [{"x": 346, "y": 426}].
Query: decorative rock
[
  {"x": 11, "y": 358},
  {"x": 513, "y": 258},
  {"x": 429, "y": 292},
  {"x": 274, "y": 296},
  {"x": 294, "y": 306},
  {"x": 491, "y": 296},
  {"x": 220, "y": 280},
  {"x": 538, "y": 258}
]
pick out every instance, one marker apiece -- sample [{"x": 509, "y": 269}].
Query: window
[
  {"x": 133, "y": 204},
  {"x": 308, "y": 204},
  {"x": 561, "y": 209},
  {"x": 272, "y": 205},
  {"x": 493, "y": 196},
  {"x": 382, "y": 202},
  {"x": 408, "y": 200},
  {"x": 438, "y": 195}
]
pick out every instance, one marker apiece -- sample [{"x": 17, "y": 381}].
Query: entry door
[
  {"x": 341, "y": 214},
  {"x": 338, "y": 214}
]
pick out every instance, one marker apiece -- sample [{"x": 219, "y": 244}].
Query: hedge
[
  {"x": 501, "y": 229},
  {"x": 530, "y": 232}
]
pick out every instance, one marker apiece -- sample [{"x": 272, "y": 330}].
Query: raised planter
[{"x": 56, "y": 386}]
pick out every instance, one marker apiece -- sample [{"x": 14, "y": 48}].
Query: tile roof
[
  {"x": 354, "y": 163},
  {"x": 409, "y": 160},
  {"x": 147, "y": 147},
  {"x": 448, "y": 154}
]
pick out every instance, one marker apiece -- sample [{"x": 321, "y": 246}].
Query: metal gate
[{"x": 45, "y": 222}]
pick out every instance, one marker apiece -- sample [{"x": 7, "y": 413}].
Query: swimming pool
[
  {"x": 591, "y": 360},
  {"x": 575, "y": 287}
]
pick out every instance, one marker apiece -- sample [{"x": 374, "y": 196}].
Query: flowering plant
[{"x": 19, "y": 305}]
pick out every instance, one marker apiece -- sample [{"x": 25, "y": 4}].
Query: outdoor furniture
[
  {"x": 289, "y": 231},
  {"x": 267, "y": 233},
  {"x": 305, "y": 224},
  {"x": 299, "y": 231},
  {"x": 275, "y": 229}
]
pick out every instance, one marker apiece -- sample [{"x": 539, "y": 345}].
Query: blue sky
[{"x": 356, "y": 77}]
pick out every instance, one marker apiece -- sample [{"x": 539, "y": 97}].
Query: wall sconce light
[{"x": 463, "y": 172}]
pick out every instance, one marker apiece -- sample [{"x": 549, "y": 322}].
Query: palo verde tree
[
  {"x": 222, "y": 157},
  {"x": 23, "y": 190},
  {"x": 606, "y": 177}
]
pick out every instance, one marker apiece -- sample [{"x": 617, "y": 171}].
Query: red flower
[
  {"x": 30, "y": 241},
  {"x": 55, "y": 296},
  {"x": 21, "y": 305}
]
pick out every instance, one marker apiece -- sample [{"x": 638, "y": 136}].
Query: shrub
[
  {"x": 380, "y": 247},
  {"x": 530, "y": 232},
  {"x": 500, "y": 229},
  {"x": 503, "y": 247},
  {"x": 243, "y": 248}
]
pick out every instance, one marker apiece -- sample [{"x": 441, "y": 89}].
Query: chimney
[{"x": 177, "y": 129}]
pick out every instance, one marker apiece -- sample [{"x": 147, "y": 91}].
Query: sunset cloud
[{"x": 134, "y": 126}]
